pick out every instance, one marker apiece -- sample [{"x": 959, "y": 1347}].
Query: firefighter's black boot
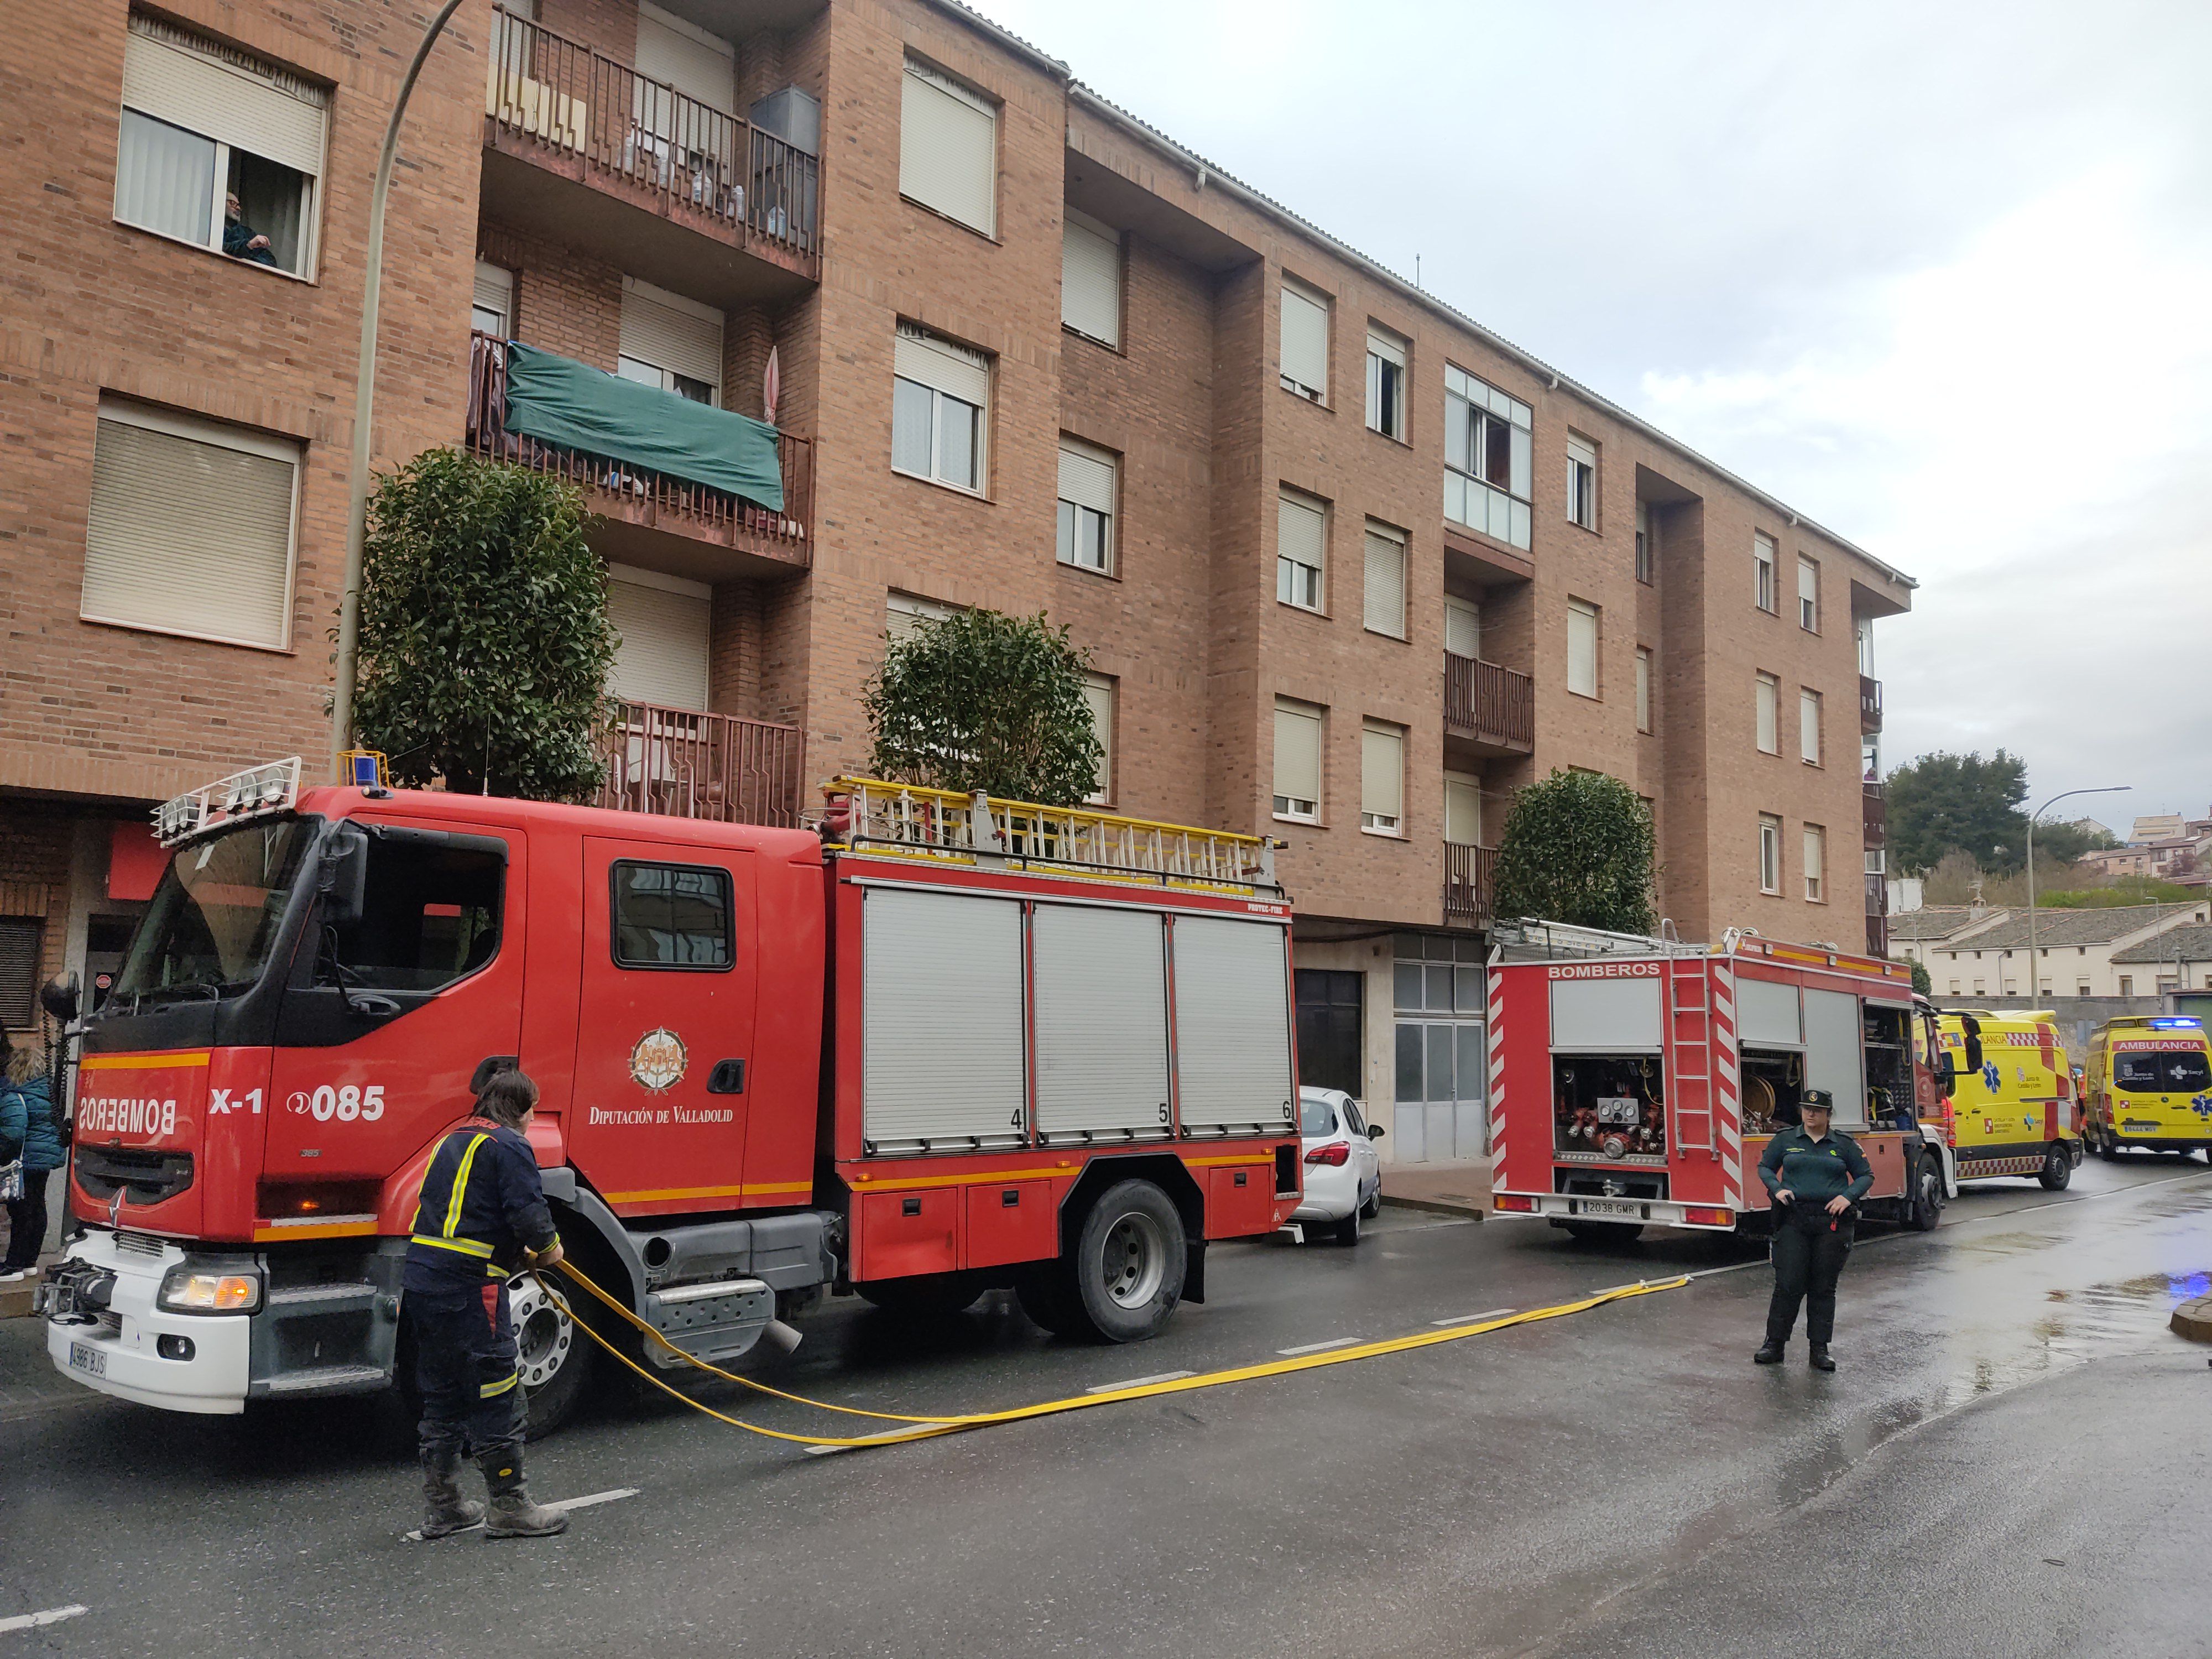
[
  {"x": 1820, "y": 1357},
  {"x": 1770, "y": 1353},
  {"x": 444, "y": 1509},
  {"x": 512, "y": 1515}
]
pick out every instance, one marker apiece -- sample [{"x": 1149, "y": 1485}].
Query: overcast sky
[{"x": 1937, "y": 274}]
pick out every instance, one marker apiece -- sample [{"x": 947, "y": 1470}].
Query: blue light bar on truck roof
[{"x": 2172, "y": 1023}]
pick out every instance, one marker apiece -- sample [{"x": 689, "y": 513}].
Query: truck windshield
[
  {"x": 214, "y": 918},
  {"x": 2167, "y": 1073}
]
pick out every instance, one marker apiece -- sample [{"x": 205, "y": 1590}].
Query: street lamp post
[
  {"x": 2034, "y": 978},
  {"x": 364, "y": 396}
]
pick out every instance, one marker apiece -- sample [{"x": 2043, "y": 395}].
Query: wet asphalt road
[{"x": 2011, "y": 1461}]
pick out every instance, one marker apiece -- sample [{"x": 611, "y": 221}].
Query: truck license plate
[
  {"x": 85, "y": 1358},
  {"x": 1609, "y": 1207}
]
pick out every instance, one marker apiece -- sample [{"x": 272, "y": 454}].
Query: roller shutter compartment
[
  {"x": 1232, "y": 1027},
  {"x": 941, "y": 1033},
  {"x": 1102, "y": 1057}
]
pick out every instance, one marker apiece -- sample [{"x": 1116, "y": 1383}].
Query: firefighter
[
  {"x": 481, "y": 1217},
  {"x": 1815, "y": 1176}
]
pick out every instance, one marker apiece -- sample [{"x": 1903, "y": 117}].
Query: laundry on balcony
[{"x": 559, "y": 401}]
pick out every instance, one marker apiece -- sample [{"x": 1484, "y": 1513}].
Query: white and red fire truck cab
[{"x": 1636, "y": 1081}]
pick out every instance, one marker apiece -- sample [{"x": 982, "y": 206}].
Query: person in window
[
  {"x": 28, "y": 1129},
  {"x": 240, "y": 240}
]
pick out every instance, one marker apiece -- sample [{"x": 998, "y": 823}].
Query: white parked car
[{"x": 1343, "y": 1171}]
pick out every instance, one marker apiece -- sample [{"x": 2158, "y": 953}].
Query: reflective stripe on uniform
[
  {"x": 466, "y": 1246},
  {"x": 461, "y": 1187},
  {"x": 492, "y": 1389}
]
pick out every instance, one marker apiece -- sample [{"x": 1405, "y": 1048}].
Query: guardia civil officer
[
  {"x": 481, "y": 1217},
  {"x": 1816, "y": 1176}
]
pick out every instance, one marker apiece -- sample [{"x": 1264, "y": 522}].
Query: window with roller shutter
[
  {"x": 1091, "y": 278},
  {"x": 1462, "y": 627},
  {"x": 948, "y": 148},
  {"x": 1305, "y": 341},
  {"x": 670, "y": 341},
  {"x": 1301, "y": 540},
  {"x": 190, "y": 528},
  {"x": 1098, "y": 698},
  {"x": 1086, "y": 507},
  {"x": 1386, "y": 383},
  {"x": 665, "y": 625},
  {"x": 1297, "y": 760},
  {"x": 940, "y": 407},
  {"x": 491, "y": 306},
  {"x": 1383, "y": 778},
  {"x": 1382, "y": 597}
]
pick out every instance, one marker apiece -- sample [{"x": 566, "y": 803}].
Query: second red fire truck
[{"x": 950, "y": 1043}]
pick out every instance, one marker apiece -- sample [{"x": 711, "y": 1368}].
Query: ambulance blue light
[{"x": 2172, "y": 1023}]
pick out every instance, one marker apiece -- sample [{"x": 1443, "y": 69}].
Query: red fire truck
[
  {"x": 1636, "y": 1082},
  {"x": 948, "y": 1044}
]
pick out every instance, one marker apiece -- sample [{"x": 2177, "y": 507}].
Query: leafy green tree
[
  {"x": 979, "y": 700},
  {"x": 1578, "y": 849},
  {"x": 1943, "y": 801},
  {"x": 1921, "y": 983},
  {"x": 484, "y": 637},
  {"x": 2066, "y": 843}
]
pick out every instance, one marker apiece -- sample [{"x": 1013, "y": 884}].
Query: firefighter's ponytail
[{"x": 508, "y": 1099}]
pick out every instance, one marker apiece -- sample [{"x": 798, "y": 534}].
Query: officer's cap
[{"x": 1816, "y": 1100}]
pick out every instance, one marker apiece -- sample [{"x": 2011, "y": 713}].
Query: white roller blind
[
  {"x": 495, "y": 292},
  {"x": 1383, "y": 597},
  {"x": 1232, "y": 1026},
  {"x": 1382, "y": 771},
  {"x": 671, "y": 332},
  {"x": 206, "y": 88},
  {"x": 1297, "y": 750},
  {"x": 189, "y": 533},
  {"x": 663, "y": 653},
  {"x": 1102, "y": 1021},
  {"x": 904, "y": 612},
  {"x": 1300, "y": 530},
  {"x": 1463, "y": 628},
  {"x": 1582, "y": 648},
  {"x": 1834, "y": 1059},
  {"x": 942, "y": 366},
  {"x": 941, "y": 1021},
  {"x": 1086, "y": 476},
  {"x": 1462, "y": 810},
  {"x": 1305, "y": 337},
  {"x": 1098, "y": 694},
  {"x": 1091, "y": 278},
  {"x": 1769, "y": 692},
  {"x": 696, "y": 63},
  {"x": 1808, "y": 725},
  {"x": 948, "y": 149},
  {"x": 1617, "y": 1014},
  {"x": 1577, "y": 450},
  {"x": 1389, "y": 347}
]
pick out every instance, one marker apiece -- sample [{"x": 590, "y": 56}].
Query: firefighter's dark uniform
[
  {"x": 1810, "y": 1245},
  {"x": 482, "y": 1204}
]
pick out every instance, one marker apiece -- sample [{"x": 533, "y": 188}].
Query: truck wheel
[
  {"x": 1926, "y": 1209},
  {"x": 1128, "y": 1263},
  {"x": 926, "y": 1296},
  {"x": 1604, "y": 1233},
  {"x": 554, "y": 1358},
  {"x": 2058, "y": 1168}
]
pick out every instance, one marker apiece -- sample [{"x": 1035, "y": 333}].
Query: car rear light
[
  {"x": 188, "y": 1290},
  {"x": 1337, "y": 1151},
  {"x": 1513, "y": 1201},
  {"x": 1699, "y": 1215}
]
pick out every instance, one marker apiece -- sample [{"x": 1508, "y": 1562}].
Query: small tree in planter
[
  {"x": 979, "y": 700},
  {"x": 1578, "y": 849},
  {"x": 484, "y": 637}
]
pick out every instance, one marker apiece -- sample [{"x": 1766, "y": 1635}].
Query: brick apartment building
[{"x": 1351, "y": 568}]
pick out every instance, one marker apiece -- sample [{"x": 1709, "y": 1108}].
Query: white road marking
[
  {"x": 34, "y": 1621},
  {"x": 1139, "y": 1382},
  {"x": 1317, "y": 1347},
  {"x": 613, "y": 1495},
  {"x": 1472, "y": 1319}
]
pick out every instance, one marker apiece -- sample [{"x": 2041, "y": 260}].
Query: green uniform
[{"x": 1816, "y": 1170}]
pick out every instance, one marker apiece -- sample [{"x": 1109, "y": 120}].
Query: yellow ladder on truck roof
[{"x": 882, "y": 815}]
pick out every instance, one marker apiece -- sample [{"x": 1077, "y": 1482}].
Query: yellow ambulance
[
  {"x": 2149, "y": 1080},
  {"x": 2013, "y": 1110}
]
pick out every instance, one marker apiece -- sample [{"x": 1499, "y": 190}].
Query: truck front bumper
[
  {"x": 1623, "y": 1211},
  {"x": 118, "y": 1348}
]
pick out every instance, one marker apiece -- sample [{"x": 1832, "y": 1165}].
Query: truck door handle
[{"x": 728, "y": 1078}]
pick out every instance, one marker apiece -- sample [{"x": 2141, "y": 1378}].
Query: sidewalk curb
[
  {"x": 2193, "y": 1319},
  {"x": 1441, "y": 1206}
]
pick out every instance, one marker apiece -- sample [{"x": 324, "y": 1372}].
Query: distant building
[
  {"x": 2079, "y": 953},
  {"x": 2178, "y": 959},
  {"x": 2157, "y": 826}
]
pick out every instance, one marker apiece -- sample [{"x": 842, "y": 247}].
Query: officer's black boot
[
  {"x": 512, "y": 1515},
  {"x": 1820, "y": 1357},
  {"x": 1770, "y": 1353},
  {"x": 444, "y": 1509}
]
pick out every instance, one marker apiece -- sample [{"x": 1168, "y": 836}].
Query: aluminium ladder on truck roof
[{"x": 878, "y": 815}]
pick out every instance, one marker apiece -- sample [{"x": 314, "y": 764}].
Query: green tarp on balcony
[{"x": 557, "y": 400}]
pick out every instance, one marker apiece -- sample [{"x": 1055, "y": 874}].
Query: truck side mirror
[
  {"x": 1973, "y": 1041},
  {"x": 1947, "y": 1074},
  {"x": 344, "y": 881},
  {"x": 59, "y": 996}
]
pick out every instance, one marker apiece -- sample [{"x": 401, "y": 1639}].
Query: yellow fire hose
[{"x": 928, "y": 1427}]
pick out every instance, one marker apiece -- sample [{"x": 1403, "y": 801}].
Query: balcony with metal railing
[
  {"x": 641, "y": 499},
  {"x": 1869, "y": 706},
  {"x": 658, "y": 170},
  {"x": 1470, "y": 875},
  {"x": 1489, "y": 711},
  {"x": 686, "y": 764},
  {"x": 1873, "y": 812}
]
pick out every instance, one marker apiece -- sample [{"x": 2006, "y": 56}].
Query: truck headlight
[{"x": 194, "y": 1291}]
